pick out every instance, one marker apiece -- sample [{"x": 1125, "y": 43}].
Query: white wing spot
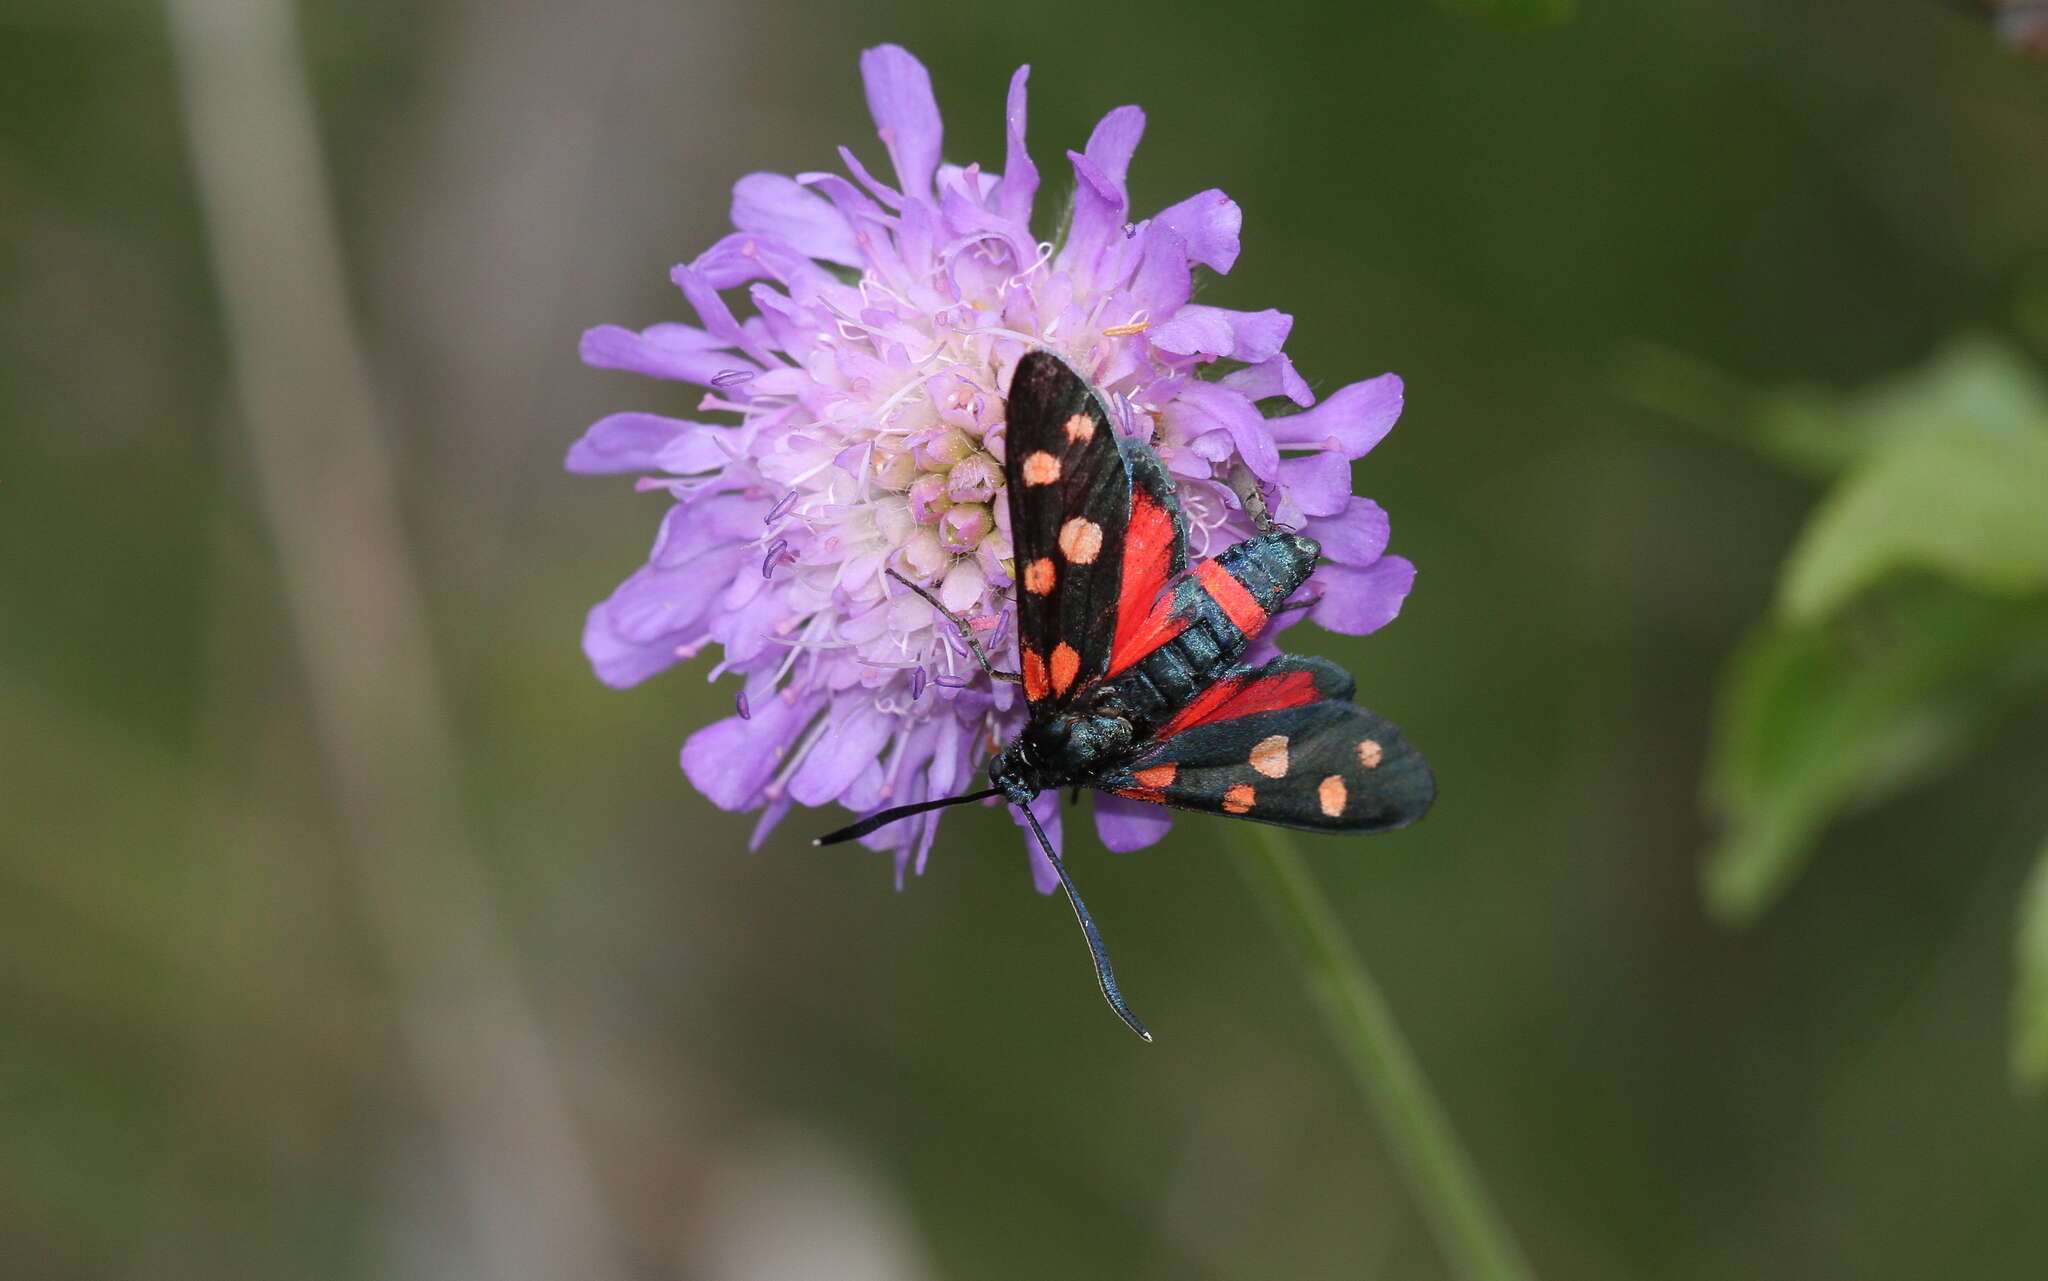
[
  {"x": 1080, "y": 428},
  {"x": 1369, "y": 754},
  {"x": 1081, "y": 540},
  {"x": 1270, "y": 756}
]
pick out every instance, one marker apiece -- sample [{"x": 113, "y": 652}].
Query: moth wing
[{"x": 1283, "y": 744}]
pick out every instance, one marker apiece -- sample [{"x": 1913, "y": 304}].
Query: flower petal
[
  {"x": 906, "y": 114},
  {"x": 1355, "y": 536},
  {"x": 1319, "y": 484},
  {"x": 1250, "y": 336},
  {"x": 1020, "y": 175},
  {"x": 1352, "y": 419},
  {"x": 858, "y": 733},
  {"x": 1125, "y": 825},
  {"x": 730, "y": 761},
  {"x": 772, "y": 204},
  {"x": 1204, "y": 407},
  {"x": 1208, "y": 223},
  {"x": 680, "y": 352},
  {"x": 624, "y": 442},
  {"x": 1275, "y": 377},
  {"x": 1359, "y": 601}
]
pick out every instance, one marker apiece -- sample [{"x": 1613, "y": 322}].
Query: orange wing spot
[
  {"x": 1041, "y": 468},
  {"x": 1158, "y": 776},
  {"x": 1238, "y": 799},
  {"x": 1039, "y": 576},
  {"x": 1369, "y": 754},
  {"x": 1080, "y": 429},
  {"x": 1331, "y": 796},
  {"x": 1270, "y": 756},
  {"x": 1035, "y": 686},
  {"x": 1245, "y": 613},
  {"x": 1066, "y": 664},
  {"x": 1143, "y": 794},
  {"x": 1081, "y": 540}
]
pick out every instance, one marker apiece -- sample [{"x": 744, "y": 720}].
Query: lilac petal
[
  {"x": 1355, "y": 536},
  {"x": 1125, "y": 825},
  {"x": 730, "y": 761},
  {"x": 859, "y": 731},
  {"x": 1046, "y": 808},
  {"x": 1358, "y": 601},
  {"x": 1275, "y": 377},
  {"x": 1020, "y": 176},
  {"x": 1353, "y": 418},
  {"x": 1197, "y": 329},
  {"x": 680, "y": 352},
  {"x": 624, "y": 442},
  {"x": 1320, "y": 484},
  {"x": 1163, "y": 282},
  {"x": 770, "y": 204},
  {"x": 1204, "y": 407},
  {"x": 906, "y": 114},
  {"x": 1114, "y": 142},
  {"x": 1209, "y": 224},
  {"x": 618, "y": 661},
  {"x": 717, "y": 317}
]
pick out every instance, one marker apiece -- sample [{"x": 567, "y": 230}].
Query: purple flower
[{"x": 853, "y": 423}]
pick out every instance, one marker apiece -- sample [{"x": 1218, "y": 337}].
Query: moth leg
[
  {"x": 966, "y": 632},
  {"x": 1250, "y": 497},
  {"x": 1310, "y": 603}
]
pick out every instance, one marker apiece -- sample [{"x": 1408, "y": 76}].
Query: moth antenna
[
  {"x": 1105, "y": 977},
  {"x": 854, "y": 831}
]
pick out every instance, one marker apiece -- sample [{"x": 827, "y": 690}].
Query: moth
[{"x": 1128, "y": 654}]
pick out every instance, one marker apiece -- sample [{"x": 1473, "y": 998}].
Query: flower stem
[{"x": 1474, "y": 1239}]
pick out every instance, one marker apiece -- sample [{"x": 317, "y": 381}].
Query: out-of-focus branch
[{"x": 327, "y": 490}]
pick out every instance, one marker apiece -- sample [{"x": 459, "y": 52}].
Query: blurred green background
[{"x": 443, "y": 971}]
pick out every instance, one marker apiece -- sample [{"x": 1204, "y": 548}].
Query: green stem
[{"x": 1473, "y": 1237}]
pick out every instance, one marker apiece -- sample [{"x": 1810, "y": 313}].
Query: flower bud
[
  {"x": 938, "y": 450},
  {"x": 895, "y": 469},
  {"x": 923, "y": 558},
  {"x": 962, "y": 528},
  {"x": 928, "y": 499},
  {"x": 974, "y": 479}
]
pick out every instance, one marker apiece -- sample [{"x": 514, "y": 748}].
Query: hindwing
[{"x": 1283, "y": 744}]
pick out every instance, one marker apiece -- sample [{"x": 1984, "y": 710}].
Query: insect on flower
[{"x": 1128, "y": 654}]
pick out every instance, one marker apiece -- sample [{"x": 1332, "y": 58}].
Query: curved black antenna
[
  {"x": 1105, "y": 977},
  {"x": 854, "y": 831}
]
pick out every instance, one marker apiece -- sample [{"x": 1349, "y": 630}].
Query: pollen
[
  {"x": 1080, "y": 428},
  {"x": 1238, "y": 799},
  {"x": 1125, "y": 331},
  {"x": 1270, "y": 756},
  {"x": 1369, "y": 753},
  {"x": 1157, "y": 776},
  {"x": 1066, "y": 664},
  {"x": 1080, "y": 540},
  {"x": 1039, "y": 576},
  {"x": 1331, "y": 795},
  {"x": 1041, "y": 468}
]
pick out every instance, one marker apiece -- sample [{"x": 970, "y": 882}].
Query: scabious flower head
[{"x": 855, "y": 425}]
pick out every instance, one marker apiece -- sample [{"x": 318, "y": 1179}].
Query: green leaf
[
  {"x": 1815, "y": 721},
  {"x": 2030, "y": 990},
  {"x": 1515, "y": 13},
  {"x": 1954, "y": 480}
]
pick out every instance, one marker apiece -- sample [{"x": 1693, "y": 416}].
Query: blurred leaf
[
  {"x": 1955, "y": 481},
  {"x": 1515, "y": 13},
  {"x": 1815, "y": 721},
  {"x": 2030, "y": 991}
]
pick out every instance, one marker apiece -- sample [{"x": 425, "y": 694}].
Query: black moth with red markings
[{"x": 1128, "y": 654}]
